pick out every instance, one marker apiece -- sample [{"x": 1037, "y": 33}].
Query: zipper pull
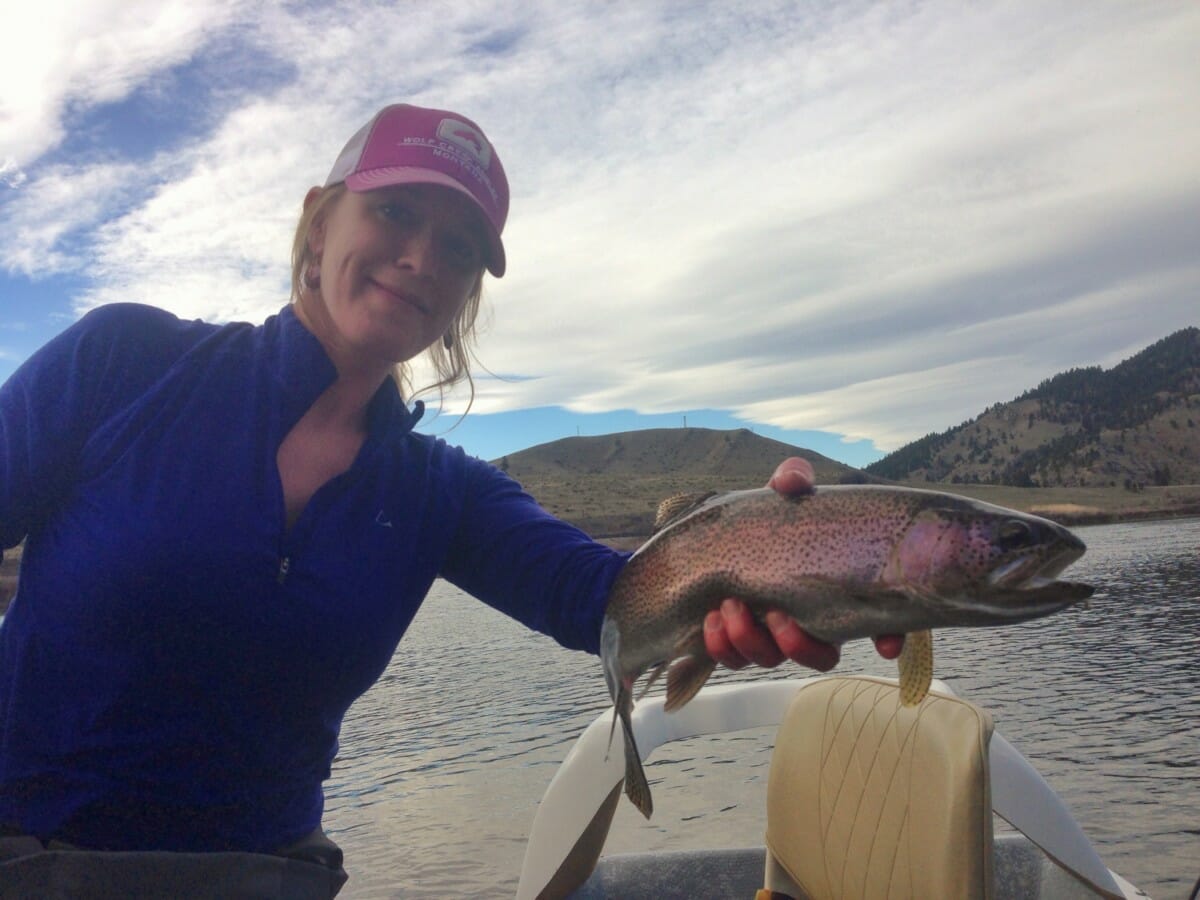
[{"x": 285, "y": 563}]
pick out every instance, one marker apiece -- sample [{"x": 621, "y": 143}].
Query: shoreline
[{"x": 1100, "y": 517}]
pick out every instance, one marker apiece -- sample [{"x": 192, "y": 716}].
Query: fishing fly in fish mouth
[{"x": 843, "y": 562}]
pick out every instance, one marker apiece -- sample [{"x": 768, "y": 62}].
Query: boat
[{"x": 865, "y": 798}]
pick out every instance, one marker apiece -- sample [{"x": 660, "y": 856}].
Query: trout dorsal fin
[{"x": 678, "y": 506}]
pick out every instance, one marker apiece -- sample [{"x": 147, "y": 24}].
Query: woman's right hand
[{"x": 735, "y": 639}]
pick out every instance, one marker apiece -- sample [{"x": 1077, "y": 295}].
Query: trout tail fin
[
  {"x": 621, "y": 691},
  {"x": 637, "y": 789}
]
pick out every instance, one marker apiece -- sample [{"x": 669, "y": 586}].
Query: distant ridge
[
  {"x": 700, "y": 452},
  {"x": 1132, "y": 426},
  {"x": 610, "y": 485}
]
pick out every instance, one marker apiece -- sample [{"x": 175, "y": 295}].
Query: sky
[{"x": 844, "y": 225}]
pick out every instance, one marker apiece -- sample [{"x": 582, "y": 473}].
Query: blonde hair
[{"x": 451, "y": 364}]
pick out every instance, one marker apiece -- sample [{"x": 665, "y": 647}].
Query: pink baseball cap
[{"x": 405, "y": 144}]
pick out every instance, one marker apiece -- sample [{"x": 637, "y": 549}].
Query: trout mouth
[
  {"x": 1031, "y": 601},
  {"x": 1031, "y": 571},
  {"x": 1029, "y": 595},
  {"x": 1027, "y": 586}
]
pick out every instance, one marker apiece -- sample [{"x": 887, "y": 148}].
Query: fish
[{"x": 846, "y": 562}]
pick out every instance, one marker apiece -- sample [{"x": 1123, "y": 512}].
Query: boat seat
[
  {"x": 914, "y": 764},
  {"x": 900, "y": 805}
]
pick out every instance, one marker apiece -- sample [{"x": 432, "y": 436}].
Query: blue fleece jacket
[{"x": 176, "y": 665}]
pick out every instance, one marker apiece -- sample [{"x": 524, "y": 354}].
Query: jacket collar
[{"x": 306, "y": 371}]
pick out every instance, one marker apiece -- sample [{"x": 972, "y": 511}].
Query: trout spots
[{"x": 844, "y": 562}]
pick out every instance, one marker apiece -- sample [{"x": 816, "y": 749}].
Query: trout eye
[{"x": 1015, "y": 534}]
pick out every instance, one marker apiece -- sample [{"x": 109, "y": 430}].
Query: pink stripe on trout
[{"x": 845, "y": 562}]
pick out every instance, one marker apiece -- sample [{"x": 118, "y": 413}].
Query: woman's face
[{"x": 397, "y": 264}]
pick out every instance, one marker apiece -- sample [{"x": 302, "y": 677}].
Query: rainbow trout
[{"x": 844, "y": 562}]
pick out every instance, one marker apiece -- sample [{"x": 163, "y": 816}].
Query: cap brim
[{"x": 378, "y": 178}]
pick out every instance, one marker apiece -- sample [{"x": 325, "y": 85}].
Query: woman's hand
[{"x": 735, "y": 639}]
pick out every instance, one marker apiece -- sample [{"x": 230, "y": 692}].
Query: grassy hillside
[
  {"x": 611, "y": 485},
  {"x": 1134, "y": 426}
]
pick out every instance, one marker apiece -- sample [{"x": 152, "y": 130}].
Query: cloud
[
  {"x": 10, "y": 175},
  {"x": 58, "y": 57},
  {"x": 868, "y": 231},
  {"x": 44, "y": 218},
  {"x": 869, "y": 218}
]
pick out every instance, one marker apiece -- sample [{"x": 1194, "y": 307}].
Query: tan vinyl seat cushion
[{"x": 868, "y": 799}]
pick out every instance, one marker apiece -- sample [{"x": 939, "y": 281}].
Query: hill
[
  {"x": 610, "y": 485},
  {"x": 1132, "y": 426}
]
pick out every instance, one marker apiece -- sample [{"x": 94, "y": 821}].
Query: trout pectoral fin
[
  {"x": 685, "y": 678},
  {"x": 916, "y": 667}
]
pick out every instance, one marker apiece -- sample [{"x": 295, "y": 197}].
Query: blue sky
[{"x": 844, "y": 225}]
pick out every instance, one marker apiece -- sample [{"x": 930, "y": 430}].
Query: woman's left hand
[{"x": 735, "y": 639}]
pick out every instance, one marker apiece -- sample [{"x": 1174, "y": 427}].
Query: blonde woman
[{"x": 229, "y": 527}]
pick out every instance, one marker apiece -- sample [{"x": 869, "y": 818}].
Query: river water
[{"x": 444, "y": 760}]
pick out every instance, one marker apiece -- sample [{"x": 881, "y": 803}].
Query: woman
[{"x": 229, "y": 528}]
